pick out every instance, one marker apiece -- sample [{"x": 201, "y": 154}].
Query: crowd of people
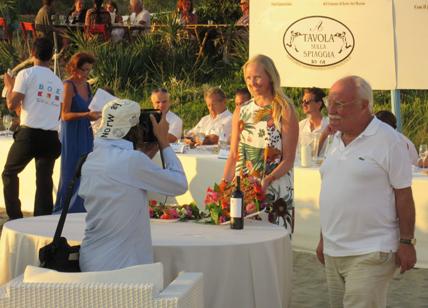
[
  {"x": 106, "y": 12},
  {"x": 366, "y": 204}
]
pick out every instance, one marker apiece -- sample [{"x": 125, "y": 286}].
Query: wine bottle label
[{"x": 236, "y": 207}]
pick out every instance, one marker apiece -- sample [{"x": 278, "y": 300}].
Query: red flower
[
  {"x": 153, "y": 203},
  {"x": 211, "y": 196},
  {"x": 165, "y": 216},
  {"x": 151, "y": 212}
]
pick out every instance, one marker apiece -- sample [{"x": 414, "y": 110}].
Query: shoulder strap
[
  {"x": 74, "y": 86},
  {"x": 68, "y": 196}
]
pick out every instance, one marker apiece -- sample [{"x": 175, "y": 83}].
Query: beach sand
[{"x": 310, "y": 289}]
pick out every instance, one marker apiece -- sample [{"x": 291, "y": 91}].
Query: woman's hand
[
  {"x": 93, "y": 115},
  {"x": 266, "y": 181}
]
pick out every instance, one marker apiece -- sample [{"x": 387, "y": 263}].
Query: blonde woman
[{"x": 264, "y": 137}]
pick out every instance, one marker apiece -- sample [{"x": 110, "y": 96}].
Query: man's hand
[
  {"x": 160, "y": 130},
  {"x": 320, "y": 253},
  {"x": 405, "y": 257}
]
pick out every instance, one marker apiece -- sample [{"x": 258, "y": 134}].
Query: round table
[{"x": 242, "y": 268}]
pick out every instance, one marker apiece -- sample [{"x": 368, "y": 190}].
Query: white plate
[{"x": 164, "y": 220}]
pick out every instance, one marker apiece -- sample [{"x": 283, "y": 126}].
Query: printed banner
[
  {"x": 316, "y": 42},
  {"x": 411, "y": 30}
]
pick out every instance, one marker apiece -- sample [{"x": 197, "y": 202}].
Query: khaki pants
[{"x": 359, "y": 281}]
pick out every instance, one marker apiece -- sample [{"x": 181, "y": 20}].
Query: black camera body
[{"x": 146, "y": 124}]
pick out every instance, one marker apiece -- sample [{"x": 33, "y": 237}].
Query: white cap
[{"x": 118, "y": 116}]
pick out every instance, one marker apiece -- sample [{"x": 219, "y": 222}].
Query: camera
[{"x": 146, "y": 124}]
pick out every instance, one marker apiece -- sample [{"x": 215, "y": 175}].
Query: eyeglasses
[{"x": 339, "y": 105}]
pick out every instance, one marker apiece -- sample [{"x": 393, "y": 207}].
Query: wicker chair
[{"x": 186, "y": 291}]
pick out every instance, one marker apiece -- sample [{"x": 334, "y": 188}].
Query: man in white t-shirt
[
  {"x": 139, "y": 16},
  {"x": 38, "y": 92},
  {"x": 217, "y": 123},
  {"x": 366, "y": 204},
  {"x": 160, "y": 100}
]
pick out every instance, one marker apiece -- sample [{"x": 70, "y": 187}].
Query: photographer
[{"x": 114, "y": 184}]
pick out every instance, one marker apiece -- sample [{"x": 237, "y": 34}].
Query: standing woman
[
  {"x": 264, "y": 137},
  {"x": 76, "y": 132},
  {"x": 185, "y": 12}
]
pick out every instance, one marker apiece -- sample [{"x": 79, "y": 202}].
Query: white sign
[
  {"x": 314, "y": 42},
  {"x": 412, "y": 43},
  {"x": 100, "y": 98}
]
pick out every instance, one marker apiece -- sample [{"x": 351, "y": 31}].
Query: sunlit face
[
  {"x": 309, "y": 105},
  {"x": 160, "y": 100},
  {"x": 83, "y": 71},
  {"x": 78, "y": 5},
  {"x": 345, "y": 110},
  {"x": 245, "y": 7},
  {"x": 257, "y": 80},
  {"x": 110, "y": 8},
  {"x": 215, "y": 105},
  {"x": 187, "y": 5}
]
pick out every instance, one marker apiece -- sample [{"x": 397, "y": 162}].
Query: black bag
[{"x": 59, "y": 255}]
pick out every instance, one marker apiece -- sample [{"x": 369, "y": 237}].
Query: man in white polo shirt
[
  {"x": 366, "y": 204},
  {"x": 160, "y": 100},
  {"x": 217, "y": 123},
  {"x": 38, "y": 92}
]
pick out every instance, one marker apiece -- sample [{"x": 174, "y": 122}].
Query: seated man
[
  {"x": 139, "y": 16},
  {"x": 160, "y": 100},
  {"x": 219, "y": 121},
  {"x": 389, "y": 118},
  {"x": 114, "y": 184}
]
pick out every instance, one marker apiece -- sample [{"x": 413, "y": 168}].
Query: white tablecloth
[
  {"x": 248, "y": 268},
  {"x": 203, "y": 169}
]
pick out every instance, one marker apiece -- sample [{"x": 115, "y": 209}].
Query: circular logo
[{"x": 318, "y": 41}]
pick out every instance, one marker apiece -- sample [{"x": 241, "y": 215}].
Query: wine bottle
[{"x": 237, "y": 207}]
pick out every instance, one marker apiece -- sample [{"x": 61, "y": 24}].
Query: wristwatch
[{"x": 406, "y": 241}]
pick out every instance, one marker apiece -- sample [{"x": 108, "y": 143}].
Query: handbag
[{"x": 59, "y": 255}]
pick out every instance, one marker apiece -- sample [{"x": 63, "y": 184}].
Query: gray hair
[
  {"x": 139, "y": 2},
  {"x": 364, "y": 90}
]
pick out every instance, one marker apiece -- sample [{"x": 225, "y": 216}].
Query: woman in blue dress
[{"x": 76, "y": 133}]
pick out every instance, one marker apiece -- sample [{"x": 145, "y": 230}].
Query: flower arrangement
[
  {"x": 217, "y": 199},
  {"x": 184, "y": 212}
]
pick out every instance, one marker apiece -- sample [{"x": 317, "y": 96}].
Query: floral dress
[{"x": 260, "y": 152}]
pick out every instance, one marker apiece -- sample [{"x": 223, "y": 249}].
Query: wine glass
[
  {"x": 70, "y": 19},
  {"x": 423, "y": 153},
  {"x": 7, "y": 122}
]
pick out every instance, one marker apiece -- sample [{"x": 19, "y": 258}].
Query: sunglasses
[{"x": 306, "y": 103}]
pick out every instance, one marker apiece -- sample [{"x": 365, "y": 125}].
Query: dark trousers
[{"x": 45, "y": 148}]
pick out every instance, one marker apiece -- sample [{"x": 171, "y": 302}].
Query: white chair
[{"x": 186, "y": 291}]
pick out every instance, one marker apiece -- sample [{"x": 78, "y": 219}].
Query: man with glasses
[
  {"x": 313, "y": 125},
  {"x": 366, "y": 204},
  {"x": 160, "y": 100},
  {"x": 245, "y": 18}
]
